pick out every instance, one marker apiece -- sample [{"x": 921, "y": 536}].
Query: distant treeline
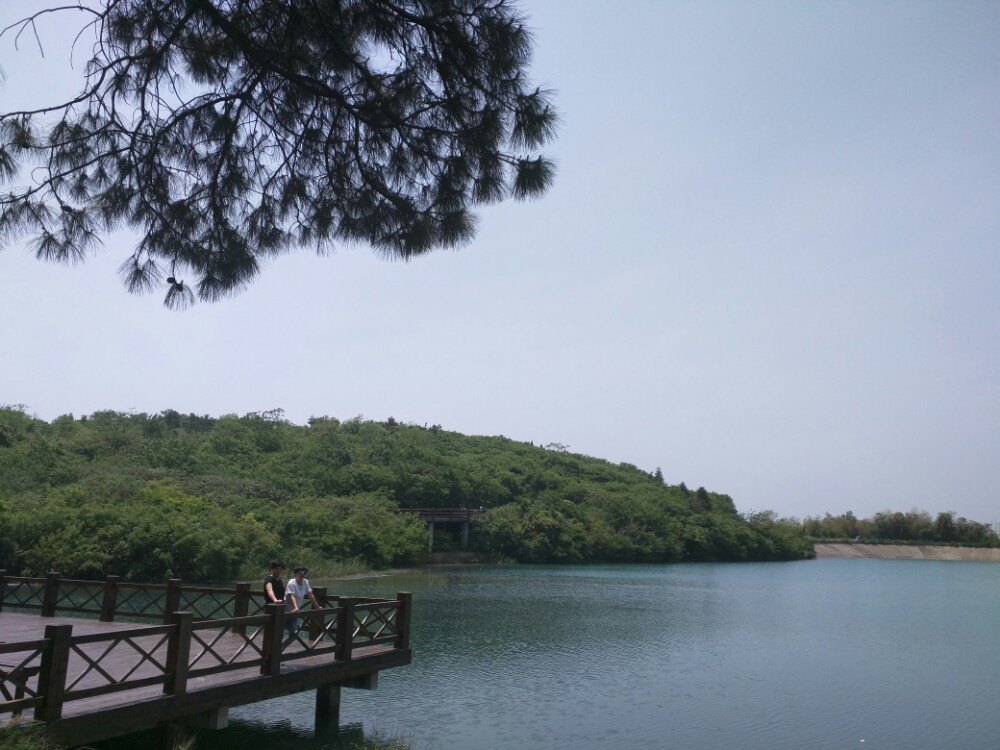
[
  {"x": 149, "y": 496},
  {"x": 915, "y": 526}
]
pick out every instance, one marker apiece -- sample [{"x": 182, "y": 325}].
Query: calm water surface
[{"x": 870, "y": 654}]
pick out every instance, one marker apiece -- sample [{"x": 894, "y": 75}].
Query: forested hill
[{"x": 149, "y": 496}]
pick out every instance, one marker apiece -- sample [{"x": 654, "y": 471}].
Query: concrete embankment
[{"x": 909, "y": 552}]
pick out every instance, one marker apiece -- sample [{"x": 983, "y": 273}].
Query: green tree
[
  {"x": 226, "y": 132},
  {"x": 701, "y": 499},
  {"x": 944, "y": 526},
  {"x": 850, "y": 525}
]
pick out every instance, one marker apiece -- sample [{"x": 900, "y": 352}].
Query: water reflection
[{"x": 277, "y": 735}]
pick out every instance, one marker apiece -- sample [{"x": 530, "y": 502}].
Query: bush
[{"x": 156, "y": 533}]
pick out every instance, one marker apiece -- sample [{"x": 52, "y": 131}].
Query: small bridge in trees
[
  {"x": 98, "y": 659},
  {"x": 463, "y": 517}
]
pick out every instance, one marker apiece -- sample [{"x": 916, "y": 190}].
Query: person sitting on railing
[
  {"x": 274, "y": 584},
  {"x": 296, "y": 593}
]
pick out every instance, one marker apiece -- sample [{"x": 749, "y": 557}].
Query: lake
[{"x": 870, "y": 654}]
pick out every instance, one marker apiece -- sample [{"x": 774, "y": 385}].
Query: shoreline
[
  {"x": 841, "y": 550},
  {"x": 907, "y": 552}
]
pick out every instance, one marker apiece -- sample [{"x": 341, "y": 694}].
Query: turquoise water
[{"x": 871, "y": 654}]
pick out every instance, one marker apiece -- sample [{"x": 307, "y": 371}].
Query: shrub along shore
[{"x": 151, "y": 496}]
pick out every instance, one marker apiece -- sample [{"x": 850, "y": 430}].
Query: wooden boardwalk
[
  {"x": 89, "y": 679},
  {"x": 448, "y": 515},
  {"x": 464, "y": 517}
]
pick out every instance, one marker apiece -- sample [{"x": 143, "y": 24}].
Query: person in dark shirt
[{"x": 274, "y": 584}]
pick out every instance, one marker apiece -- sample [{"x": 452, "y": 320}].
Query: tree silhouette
[{"x": 228, "y": 131}]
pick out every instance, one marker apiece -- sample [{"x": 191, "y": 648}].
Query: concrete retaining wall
[{"x": 909, "y": 552}]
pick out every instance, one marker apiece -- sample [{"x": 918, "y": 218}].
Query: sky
[{"x": 768, "y": 265}]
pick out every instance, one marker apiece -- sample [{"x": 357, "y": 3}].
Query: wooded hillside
[{"x": 152, "y": 496}]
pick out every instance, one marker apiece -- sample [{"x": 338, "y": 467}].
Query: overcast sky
[{"x": 769, "y": 265}]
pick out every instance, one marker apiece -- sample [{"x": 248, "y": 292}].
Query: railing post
[
  {"x": 241, "y": 606},
  {"x": 178, "y": 651},
  {"x": 50, "y": 595},
  {"x": 110, "y": 600},
  {"x": 172, "y": 600},
  {"x": 403, "y": 618},
  {"x": 345, "y": 629},
  {"x": 52, "y": 673},
  {"x": 274, "y": 630},
  {"x": 316, "y": 623},
  {"x": 3, "y": 587}
]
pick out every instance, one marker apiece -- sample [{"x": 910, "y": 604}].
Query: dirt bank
[{"x": 909, "y": 552}]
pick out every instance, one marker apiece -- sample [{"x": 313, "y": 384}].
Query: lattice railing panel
[
  {"x": 23, "y": 593},
  {"x": 316, "y": 634},
  {"x": 217, "y": 649},
  {"x": 208, "y": 603},
  {"x": 376, "y": 623},
  {"x": 80, "y": 596},
  {"x": 140, "y": 601},
  {"x": 257, "y": 603},
  {"x": 19, "y": 676},
  {"x": 118, "y": 661}
]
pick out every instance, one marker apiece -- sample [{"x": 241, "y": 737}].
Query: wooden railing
[
  {"x": 46, "y": 674},
  {"x": 113, "y": 598},
  {"x": 448, "y": 515}
]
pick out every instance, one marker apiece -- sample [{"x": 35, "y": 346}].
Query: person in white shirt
[{"x": 296, "y": 593}]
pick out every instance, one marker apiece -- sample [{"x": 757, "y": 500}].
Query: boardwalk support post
[
  {"x": 217, "y": 719},
  {"x": 52, "y": 674},
  {"x": 110, "y": 600},
  {"x": 50, "y": 595},
  {"x": 464, "y": 538},
  {"x": 3, "y": 586},
  {"x": 328, "y": 707},
  {"x": 241, "y": 606},
  {"x": 274, "y": 629},
  {"x": 178, "y": 652},
  {"x": 430, "y": 536},
  {"x": 362, "y": 682}
]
